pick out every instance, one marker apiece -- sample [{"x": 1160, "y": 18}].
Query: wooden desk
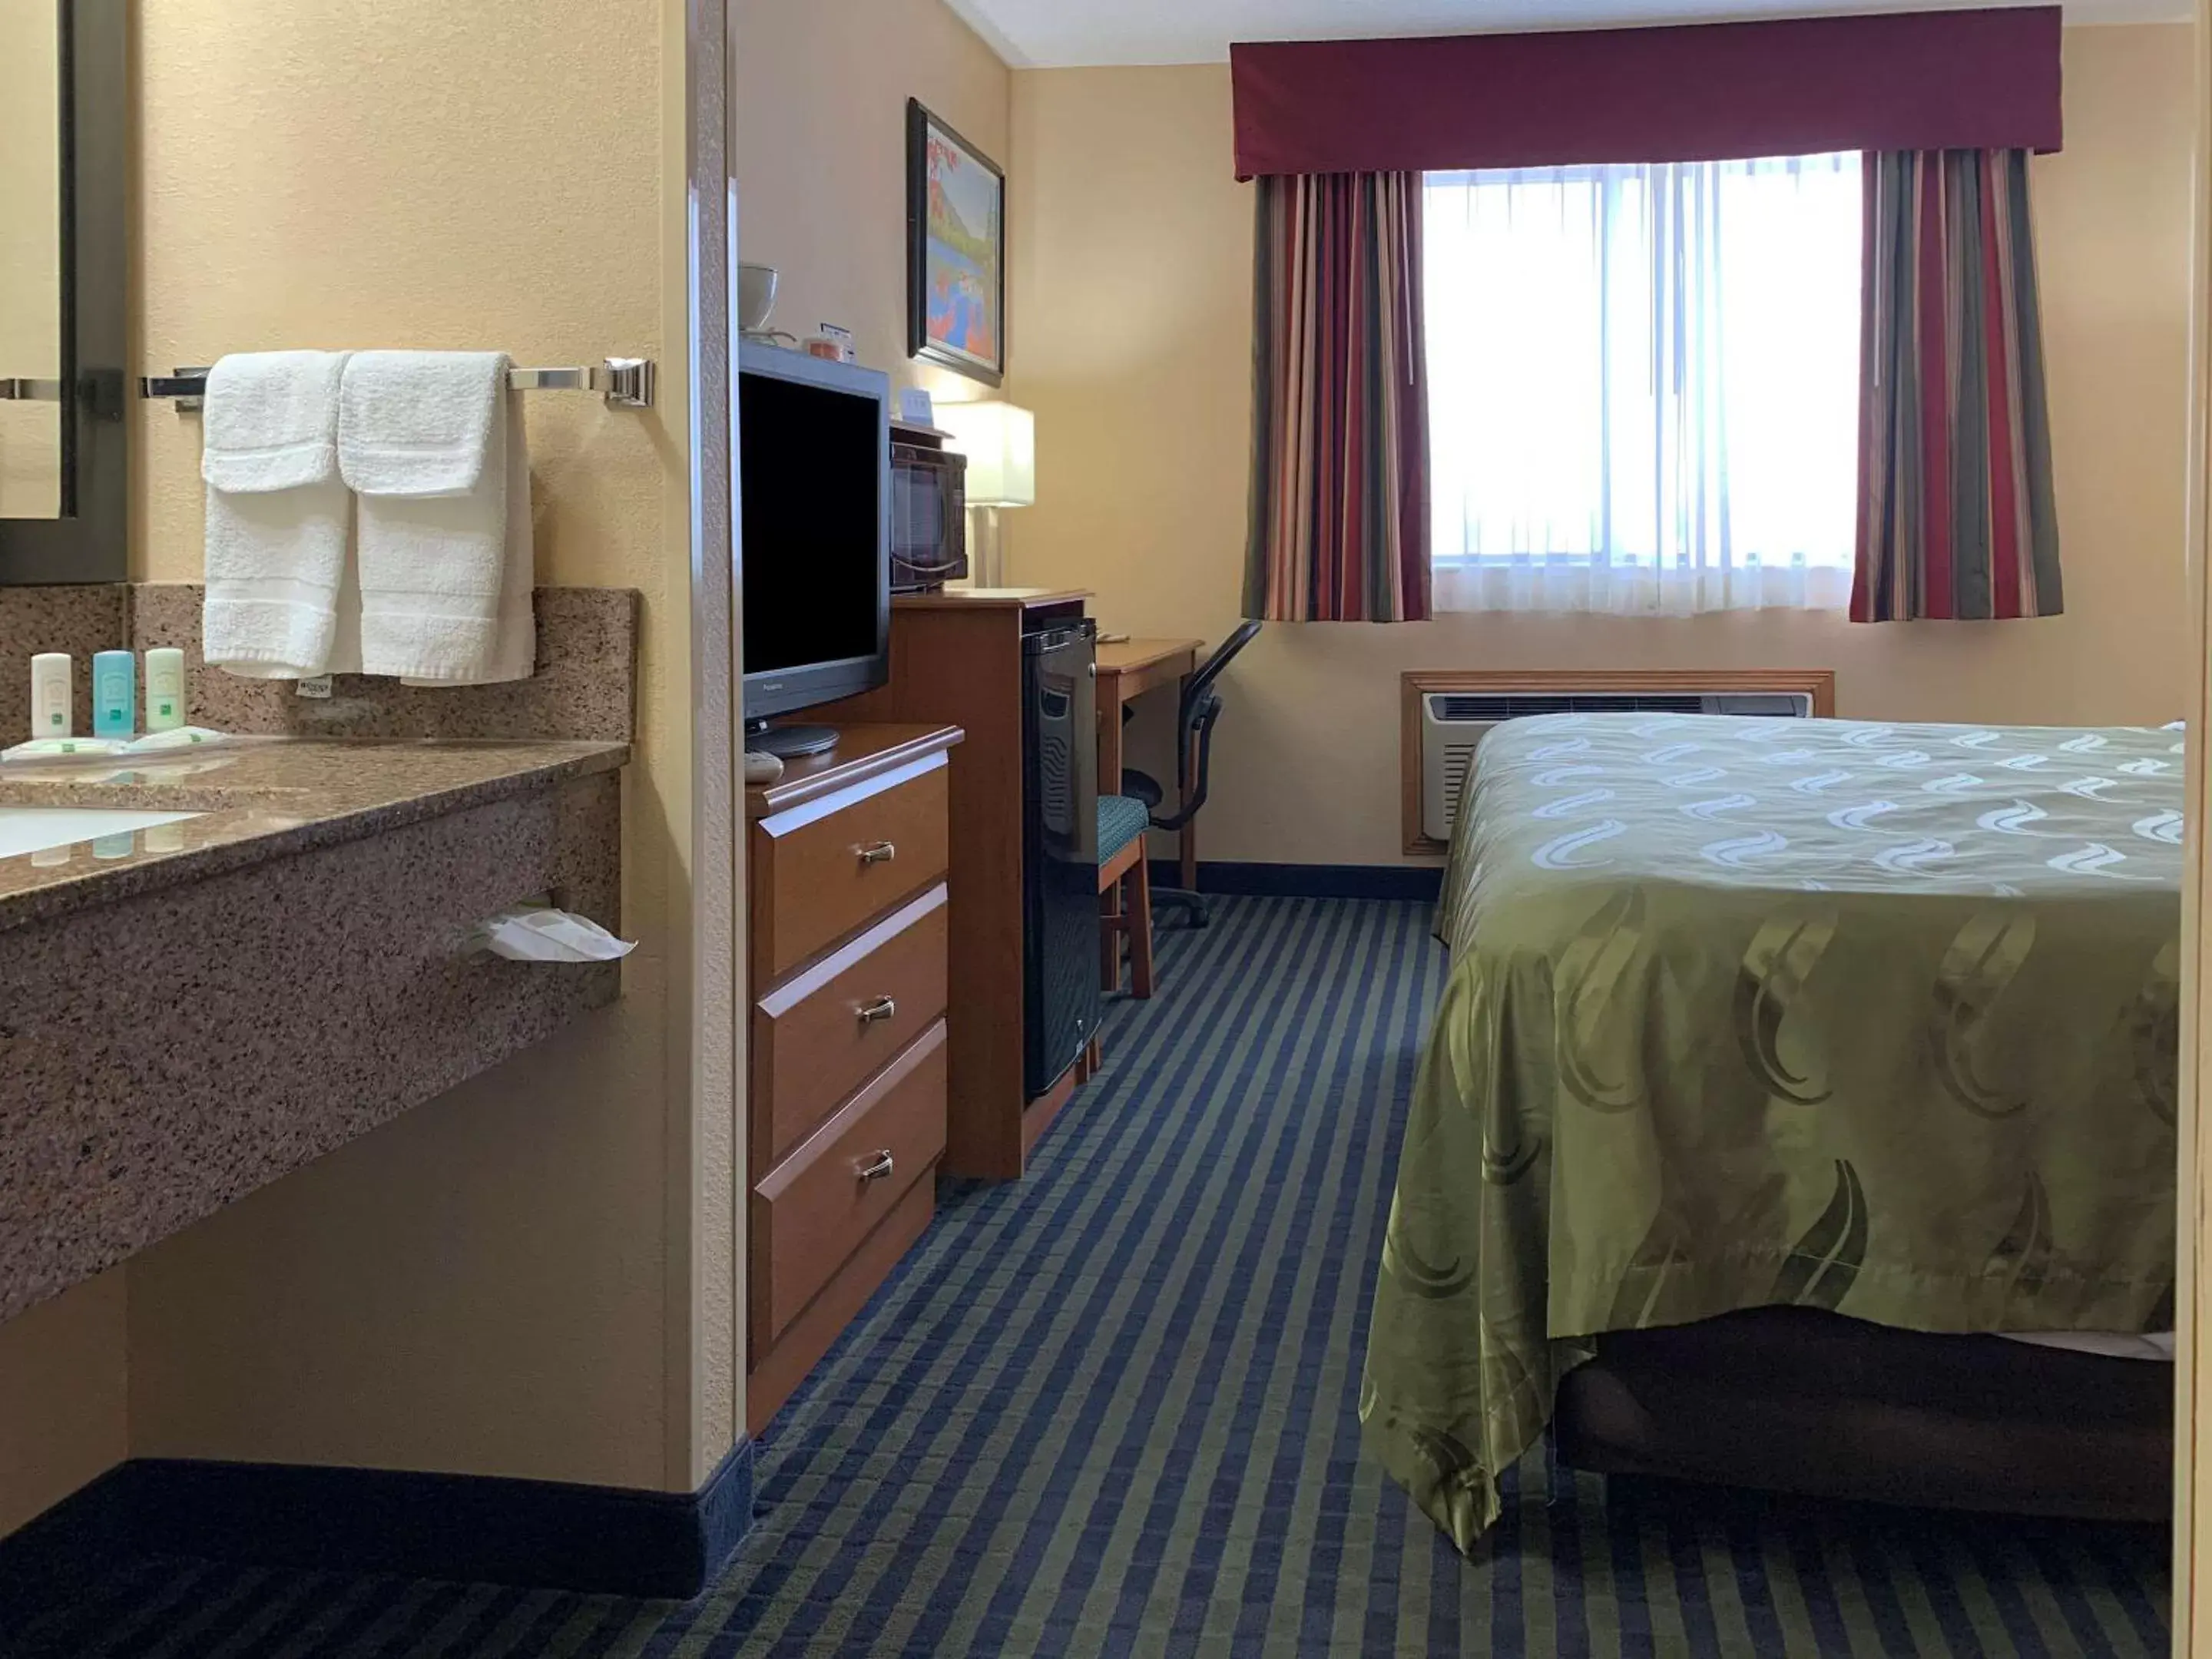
[{"x": 1127, "y": 670}]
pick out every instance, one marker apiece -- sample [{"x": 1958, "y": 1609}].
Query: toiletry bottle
[
  {"x": 114, "y": 693},
  {"x": 50, "y": 714},
  {"x": 165, "y": 689}
]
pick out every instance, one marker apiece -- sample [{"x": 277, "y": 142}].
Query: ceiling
[{"x": 1058, "y": 34}]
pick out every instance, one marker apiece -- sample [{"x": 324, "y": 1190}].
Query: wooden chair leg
[
  {"x": 1110, "y": 938},
  {"x": 1141, "y": 928}
]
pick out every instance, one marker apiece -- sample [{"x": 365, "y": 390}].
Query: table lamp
[{"x": 999, "y": 441}]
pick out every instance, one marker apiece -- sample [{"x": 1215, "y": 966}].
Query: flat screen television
[{"x": 814, "y": 476}]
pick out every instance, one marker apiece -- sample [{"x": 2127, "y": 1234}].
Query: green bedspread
[{"x": 1875, "y": 1018}]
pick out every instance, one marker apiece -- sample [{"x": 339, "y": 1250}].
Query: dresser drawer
[
  {"x": 821, "y": 870},
  {"x": 819, "y": 1035},
  {"x": 817, "y": 1207}
]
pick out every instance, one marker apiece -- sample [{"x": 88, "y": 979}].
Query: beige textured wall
[
  {"x": 502, "y": 1281},
  {"x": 820, "y": 157},
  {"x": 410, "y": 174},
  {"x": 1131, "y": 321},
  {"x": 30, "y": 257},
  {"x": 482, "y": 1286},
  {"x": 476, "y": 1287},
  {"x": 62, "y": 1397}
]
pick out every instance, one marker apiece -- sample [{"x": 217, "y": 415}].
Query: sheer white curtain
[{"x": 1643, "y": 386}]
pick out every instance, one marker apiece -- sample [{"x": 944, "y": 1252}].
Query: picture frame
[{"x": 956, "y": 235}]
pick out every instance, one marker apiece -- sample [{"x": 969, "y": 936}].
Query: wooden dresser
[{"x": 847, "y": 923}]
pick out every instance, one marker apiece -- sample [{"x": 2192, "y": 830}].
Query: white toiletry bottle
[
  {"x": 50, "y": 717},
  {"x": 114, "y": 693},
  {"x": 165, "y": 689}
]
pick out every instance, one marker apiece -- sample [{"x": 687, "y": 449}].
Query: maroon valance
[{"x": 1704, "y": 92}]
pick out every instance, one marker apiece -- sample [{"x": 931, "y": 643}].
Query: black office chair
[{"x": 1202, "y": 707}]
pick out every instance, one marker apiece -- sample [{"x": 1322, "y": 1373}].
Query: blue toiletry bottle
[{"x": 114, "y": 693}]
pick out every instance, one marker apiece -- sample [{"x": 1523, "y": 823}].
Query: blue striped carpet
[{"x": 1112, "y": 1411}]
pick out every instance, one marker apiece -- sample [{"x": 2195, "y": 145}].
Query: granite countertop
[{"x": 257, "y": 801}]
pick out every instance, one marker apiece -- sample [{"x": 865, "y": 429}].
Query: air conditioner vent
[{"x": 1520, "y": 705}]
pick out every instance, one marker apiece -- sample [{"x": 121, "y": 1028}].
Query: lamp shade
[{"x": 999, "y": 441}]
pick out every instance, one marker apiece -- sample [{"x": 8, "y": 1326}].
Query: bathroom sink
[{"x": 40, "y": 829}]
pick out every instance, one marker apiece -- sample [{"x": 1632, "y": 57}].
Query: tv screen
[{"x": 813, "y": 459}]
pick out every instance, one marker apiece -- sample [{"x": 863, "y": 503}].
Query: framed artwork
[{"x": 955, "y": 236}]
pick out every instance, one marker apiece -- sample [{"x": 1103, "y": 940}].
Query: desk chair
[
  {"x": 1202, "y": 707},
  {"x": 1121, "y": 858}
]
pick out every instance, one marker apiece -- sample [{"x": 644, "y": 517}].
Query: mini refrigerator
[{"x": 1060, "y": 849}]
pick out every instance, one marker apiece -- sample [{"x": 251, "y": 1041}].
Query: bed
[{"x": 1838, "y": 1021}]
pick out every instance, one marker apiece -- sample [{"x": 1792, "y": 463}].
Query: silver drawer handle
[
  {"x": 881, "y": 1008},
  {"x": 877, "y": 1168},
  {"x": 877, "y": 852}
]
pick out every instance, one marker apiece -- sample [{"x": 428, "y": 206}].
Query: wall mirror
[{"x": 63, "y": 277}]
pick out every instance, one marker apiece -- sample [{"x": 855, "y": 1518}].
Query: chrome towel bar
[{"x": 625, "y": 382}]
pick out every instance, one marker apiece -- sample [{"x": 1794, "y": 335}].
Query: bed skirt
[{"x": 1795, "y": 1400}]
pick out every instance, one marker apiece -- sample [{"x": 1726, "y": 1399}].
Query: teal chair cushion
[{"x": 1121, "y": 819}]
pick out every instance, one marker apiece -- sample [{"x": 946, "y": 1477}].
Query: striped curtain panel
[
  {"x": 1956, "y": 518},
  {"x": 1339, "y": 524}
]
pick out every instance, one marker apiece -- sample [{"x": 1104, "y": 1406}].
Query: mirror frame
[{"x": 90, "y": 541}]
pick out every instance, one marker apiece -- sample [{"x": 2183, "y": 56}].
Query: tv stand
[{"x": 788, "y": 742}]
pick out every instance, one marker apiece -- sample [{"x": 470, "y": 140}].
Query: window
[{"x": 1644, "y": 385}]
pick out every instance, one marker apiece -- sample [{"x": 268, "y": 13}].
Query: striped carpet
[{"x": 1111, "y": 1410}]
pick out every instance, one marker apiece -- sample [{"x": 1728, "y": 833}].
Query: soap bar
[
  {"x": 179, "y": 737},
  {"x": 39, "y": 749}
]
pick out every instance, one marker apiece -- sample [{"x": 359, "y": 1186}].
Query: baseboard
[
  {"x": 479, "y": 1528},
  {"x": 1368, "y": 881}
]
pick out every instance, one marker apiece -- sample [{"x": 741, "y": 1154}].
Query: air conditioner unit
[{"x": 1453, "y": 723}]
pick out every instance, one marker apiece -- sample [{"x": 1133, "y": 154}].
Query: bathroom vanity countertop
[{"x": 257, "y": 801}]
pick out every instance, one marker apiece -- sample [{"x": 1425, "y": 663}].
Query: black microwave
[{"x": 929, "y": 516}]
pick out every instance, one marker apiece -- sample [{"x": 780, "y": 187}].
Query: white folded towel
[
  {"x": 434, "y": 445},
  {"x": 278, "y": 516},
  {"x": 514, "y": 640}
]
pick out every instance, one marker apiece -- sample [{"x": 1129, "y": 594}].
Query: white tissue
[{"x": 526, "y": 933}]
